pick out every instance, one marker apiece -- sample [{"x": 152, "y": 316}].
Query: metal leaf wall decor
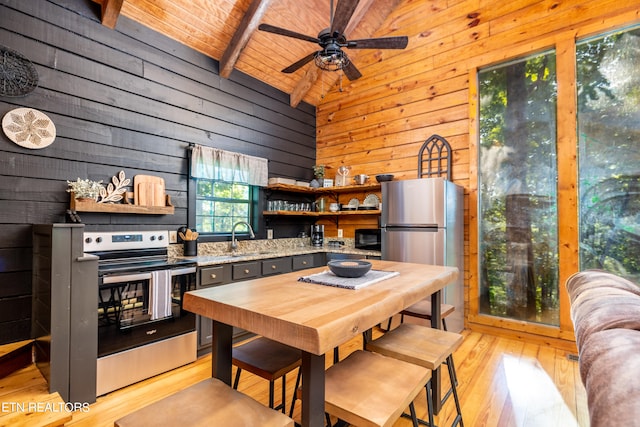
[
  {"x": 18, "y": 76},
  {"x": 115, "y": 190}
]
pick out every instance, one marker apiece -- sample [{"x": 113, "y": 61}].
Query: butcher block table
[{"x": 313, "y": 318}]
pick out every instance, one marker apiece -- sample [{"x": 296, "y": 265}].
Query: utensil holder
[{"x": 190, "y": 247}]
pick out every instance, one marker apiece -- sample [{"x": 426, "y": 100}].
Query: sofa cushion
[
  {"x": 605, "y": 310},
  {"x": 609, "y": 366},
  {"x": 602, "y": 301}
]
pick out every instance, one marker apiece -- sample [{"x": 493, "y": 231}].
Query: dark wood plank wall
[{"x": 125, "y": 99}]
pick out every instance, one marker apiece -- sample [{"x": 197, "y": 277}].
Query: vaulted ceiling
[{"x": 227, "y": 30}]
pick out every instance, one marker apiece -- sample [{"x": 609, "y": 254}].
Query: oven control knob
[
  {"x": 161, "y": 237},
  {"x": 88, "y": 240},
  {"x": 98, "y": 239},
  {"x": 153, "y": 238}
]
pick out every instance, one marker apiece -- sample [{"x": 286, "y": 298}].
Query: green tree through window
[
  {"x": 518, "y": 190},
  {"x": 609, "y": 152},
  {"x": 220, "y": 204}
]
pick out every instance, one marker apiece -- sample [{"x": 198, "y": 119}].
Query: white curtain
[{"x": 213, "y": 163}]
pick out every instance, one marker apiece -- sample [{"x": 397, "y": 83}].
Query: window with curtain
[{"x": 225, "y": 184}]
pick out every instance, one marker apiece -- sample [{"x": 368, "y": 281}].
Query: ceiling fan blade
[
  {"x": 284, "y": 32},
  {"x": 300, "y": 63},
  {"x": 399, "y": 42},
  {"x": 344, "y": 11},
  {"x": 351, "y": 72}
]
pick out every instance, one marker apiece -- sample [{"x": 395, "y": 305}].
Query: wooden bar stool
[
  {"x": 368, "y": 389},
  {"x": 207, "y": 403},
  {"x": 427, "y": 347},
  {"x": 422, "y": 310},
  {"x": 270, "y": 360}
]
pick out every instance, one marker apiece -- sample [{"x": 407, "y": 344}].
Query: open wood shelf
[
  {"x": 92, "y": 206},
  {"x": 307, "y": 213},
  {"x": 331, "y": 191},
  {"x": 324, "y": 190}
]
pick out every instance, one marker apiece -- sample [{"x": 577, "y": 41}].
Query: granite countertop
[{"x": 249, "y": 250}]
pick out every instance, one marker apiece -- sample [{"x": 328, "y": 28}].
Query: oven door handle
[
  {"x": 144, "y": 276},
  {"x": 126, "y": 278},
  {"x": 182, "y": 271}
]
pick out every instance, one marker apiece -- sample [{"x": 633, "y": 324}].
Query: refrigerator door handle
[{"x": 405, "y": 226}]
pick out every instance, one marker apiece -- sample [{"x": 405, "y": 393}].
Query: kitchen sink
[{"x": 243, "y": 254}]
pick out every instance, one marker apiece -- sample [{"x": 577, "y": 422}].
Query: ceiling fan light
[{"x": 331, "y": 60}]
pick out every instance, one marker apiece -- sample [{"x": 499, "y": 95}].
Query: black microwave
[{"x": 368, "y": 239}]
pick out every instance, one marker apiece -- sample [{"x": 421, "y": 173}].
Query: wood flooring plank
[
  {"x": 502, "y": 383},
  {"x": 25, "y": 401}
]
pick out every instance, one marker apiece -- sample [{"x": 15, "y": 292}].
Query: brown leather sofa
[{"x": 605, "y": 309}]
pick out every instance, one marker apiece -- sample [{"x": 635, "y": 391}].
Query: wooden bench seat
[
  {"x": 422, "y": 310},
  {"x": 270, "y": 360},
  {"x": 367, "y": 389},
  {"x": 417, "y": 344},
  {"x": 207, "y": 403},
  {"x": 423, "y": 346}
]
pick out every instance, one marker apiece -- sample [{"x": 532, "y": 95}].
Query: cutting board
[{"x": 148, "y": 190}]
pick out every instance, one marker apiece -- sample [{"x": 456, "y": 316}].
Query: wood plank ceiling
[{"x": 227, "y": 30}]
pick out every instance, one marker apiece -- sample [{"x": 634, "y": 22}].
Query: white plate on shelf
[
  {"x": 371, "y": 201},
  {"x": 354, "y": 203}
]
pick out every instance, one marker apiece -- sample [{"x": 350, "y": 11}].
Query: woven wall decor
[
  {"x": 18, "y": 76},
  {"x": 29, "y": 128}
]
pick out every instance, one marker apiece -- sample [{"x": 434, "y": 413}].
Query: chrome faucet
[{"x": 234, "y": 242}]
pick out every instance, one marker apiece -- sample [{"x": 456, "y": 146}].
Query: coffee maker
[{"x": 317, "y": 235}]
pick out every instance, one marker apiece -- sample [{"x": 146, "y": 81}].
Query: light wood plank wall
[{"x": 378, "y": 123}]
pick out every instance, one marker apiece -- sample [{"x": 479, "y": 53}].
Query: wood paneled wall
[
  {"x": 126, "y": 99},
  {"x": 378, "y": 123}
]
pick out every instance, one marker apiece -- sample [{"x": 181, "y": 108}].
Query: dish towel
[
  {"x": 160, "y": 294},
  {"x": 329, "y": 279}
]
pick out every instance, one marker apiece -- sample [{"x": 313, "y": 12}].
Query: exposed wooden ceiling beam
[
  {"x": 304, "y": 85},
  {"x": 110, "y": 12},
  {"x": 249, "y": 24}
]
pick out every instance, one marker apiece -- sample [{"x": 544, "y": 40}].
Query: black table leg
[
  {"x": 436, "y": 377},
  {"x": 221, "y": 351},
  {"x": 312, "y": 390}
]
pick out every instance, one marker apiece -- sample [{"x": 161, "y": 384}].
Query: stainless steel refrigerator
[{"x": 423, "y": 222}]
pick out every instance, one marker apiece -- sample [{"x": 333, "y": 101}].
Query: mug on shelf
[{"x": 321, "y": 205}]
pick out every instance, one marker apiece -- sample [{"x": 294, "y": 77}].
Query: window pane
[
  {"x": 609, "y": 153},
  {"x": 223, "y": 190},
  {"x": 219, "y": 205},
  {"x": 518, "y": 191},
  {"x": 205, "y": 188},
  {"x": 241, "y": 192}
]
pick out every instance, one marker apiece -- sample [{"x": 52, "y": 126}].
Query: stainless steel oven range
[{"x": 142, "y": 327}]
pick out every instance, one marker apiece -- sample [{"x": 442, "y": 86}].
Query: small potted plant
[
  {"x": 318, "y": 171},
  {"x": 85, "y": 189}
]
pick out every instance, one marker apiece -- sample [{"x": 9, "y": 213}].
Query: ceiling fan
[{"x": 332, "y": 40}]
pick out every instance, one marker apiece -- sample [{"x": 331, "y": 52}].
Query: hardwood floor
[{"x": 502, "y": 382}]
